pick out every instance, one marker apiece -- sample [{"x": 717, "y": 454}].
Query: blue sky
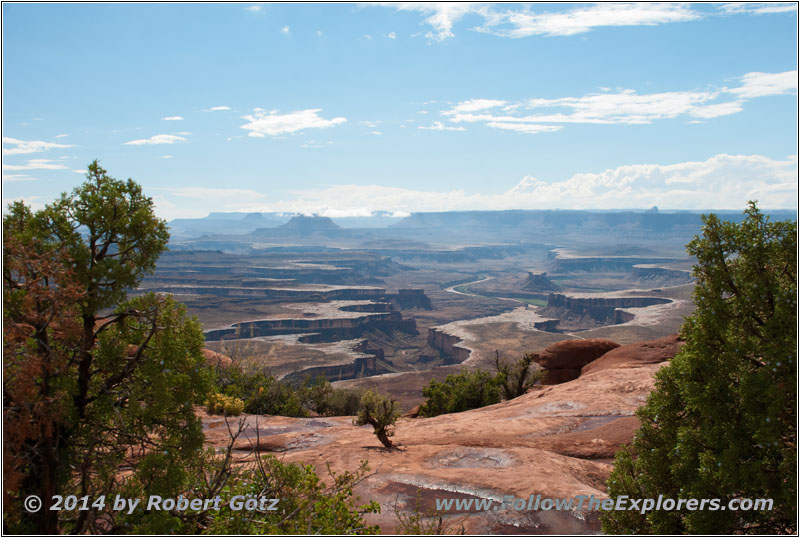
[{"x": 346, "y": 109}]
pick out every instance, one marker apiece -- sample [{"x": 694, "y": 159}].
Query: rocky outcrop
[
  {"x": 609, "y": 264},
  {"x": 359, "y": 367},
  {"x": 446, "y": 344},
  {"x": 412, "y": 298},
  {"x": 595, "y": 310},
  {"x": 660, "y": 276},
  {"x": 539, "y": 282},
  {"x": 636, "y": 355},
  {"x": 335, "y": 328},
  {"x": 564, "y": 360},
  {"x": 303, "y": 224}
]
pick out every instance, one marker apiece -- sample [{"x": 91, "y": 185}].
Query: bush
[
  {"x": 380, "y": 412},
  {"x": 518, "y": 377},
  {"x": 219, "y": 403},
  {"x": 460, "y": 392},
  {"x": 264, "y": 394},
  {"x": 341, "y": 402}
]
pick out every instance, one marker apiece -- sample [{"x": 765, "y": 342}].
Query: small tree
[
  {"x": 516, "y": 378},
  {"x": 721, "y": 421},
  {"x": 381, "y": 413},
  {"x": 460, "y": 392}
]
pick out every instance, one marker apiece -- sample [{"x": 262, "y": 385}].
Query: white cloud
[
  {"x": 758, "y": 8},
  {"x": 439, "y": 126},
  {"x": 172, "y": 118},
  {"x": 715, "y": 111},
  {"x": 36, "y": 164},
  {"x": 763, "y": 84},
  {"x": 474, "y": 105},
  {"x": 285, "y": 30},
  {"x": 262, "y": 123},
  {"x": 166, "y": 156},
  {"x": 391, "y": 35},
  {"x": 441, "y": 16},
  {"x": 524, "y": 21},
  {"x": 623, "y": 106},
  {"x": 28, "y": 146},
  {"x": 157, "y": 139},
  {"x": 62, "y": 135},
  {"x": 377, "y": 133},
  {"x": 254, "y": 8},
  {"x": 370, "y": 123},
  {"x": 530, "y": 128},
  {"x": 18, "y": 177},
  {"x": 217, "y": 108},
  {"x": 720, "y": 182}
]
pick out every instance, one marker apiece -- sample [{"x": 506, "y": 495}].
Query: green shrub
[
  {"x": 516, "y": 378},
  {"x": 219, "y": 403},
  {"x": 469, "y": 389}
]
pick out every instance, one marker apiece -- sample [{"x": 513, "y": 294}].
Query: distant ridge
[{"x": 304, "y": 224}]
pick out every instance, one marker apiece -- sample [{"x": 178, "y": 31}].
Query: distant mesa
[
  {"x": 653, "y": 209},
  {"x": 305, "y": 224},
  {"x": 539, "y": 282}
]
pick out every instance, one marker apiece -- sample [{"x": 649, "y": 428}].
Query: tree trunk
[{"x": 383, "y": 438}]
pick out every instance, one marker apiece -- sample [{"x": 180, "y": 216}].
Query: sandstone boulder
[
  {"x": 636, "y": 355},
  {"x": 564, "y": 360}
]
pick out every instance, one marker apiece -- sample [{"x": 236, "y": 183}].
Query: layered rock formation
[
  {"x": 446, "y": 344},
  {"x": 563, "y": 361},
  {"x": 329, "y": 329},
  {"x": 595, "y": 311}
]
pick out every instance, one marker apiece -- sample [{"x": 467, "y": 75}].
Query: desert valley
[{"x": 599, "y": 296}]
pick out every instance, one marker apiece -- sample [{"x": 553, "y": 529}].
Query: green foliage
[
  {"x": 264, "y": 394},
  {"x": 380, "y": 412},
  {"x": 469, "y": 389},
  {"x": 721, "y": 422},
  {"x": 107, "y": 226},
  {"x": 517, "y": 378},
  {"x": 124, "y": 377},
  {"x": 308, "y": 505},
  {"x": 219, "y": 404}
]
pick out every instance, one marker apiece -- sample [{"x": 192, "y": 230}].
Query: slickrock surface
[
  {"x": 635, "y": 355},
  {"x": 557, "y": 441}
]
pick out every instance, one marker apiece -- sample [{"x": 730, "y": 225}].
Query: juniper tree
[
  {"x": 721, "y": 421},
  {"x": 107, "y": 379}
]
